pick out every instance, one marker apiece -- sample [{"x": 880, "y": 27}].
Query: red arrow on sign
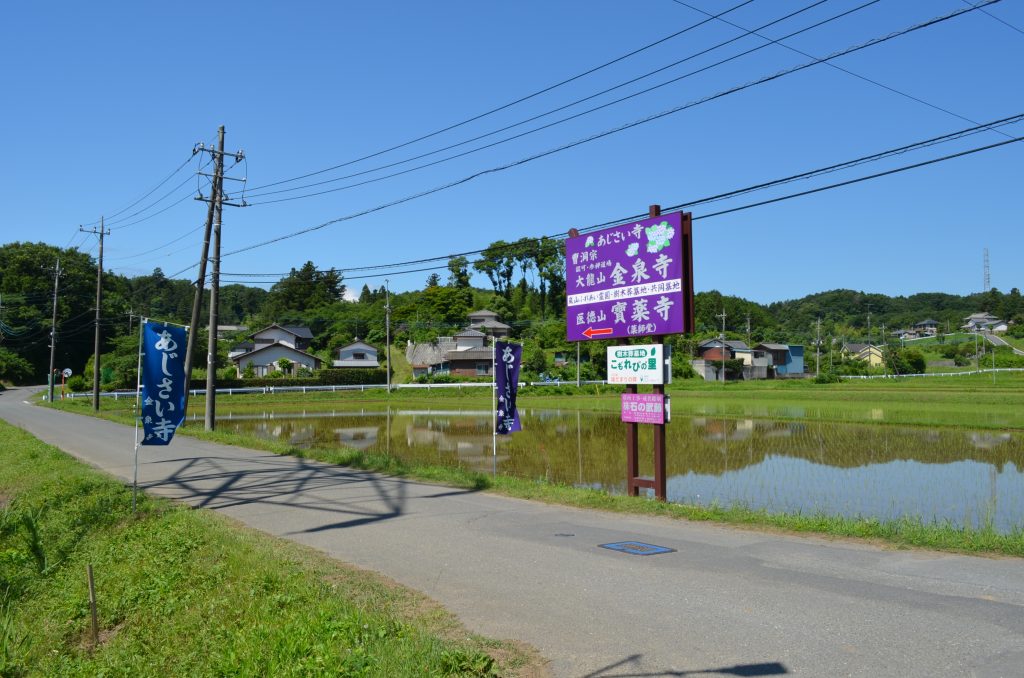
[{"x": 590, "y": 332}]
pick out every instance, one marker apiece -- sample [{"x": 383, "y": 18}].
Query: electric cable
[
  {"x": 551, "y": 112},
  {"x": 508, "y": 105},
  {"x": 870, "y": 43}
]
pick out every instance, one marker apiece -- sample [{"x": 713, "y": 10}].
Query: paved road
[{"x": 727, "y": 602}]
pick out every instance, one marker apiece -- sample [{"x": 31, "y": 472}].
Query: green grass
[
  {"x": 188, "y": 592},
  {"x": 908, "y": 532},
  {"x": 972, "y": 401},
  {"x": 401, "y": 370}
]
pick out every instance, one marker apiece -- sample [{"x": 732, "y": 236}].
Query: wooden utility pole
[
  {"x": 197, "y": 302},
  {"x": 217, "y": 203},
  {"x": 53, "y": 327},
  {"x": 387, "y": 329},
  {"x": 817, "y": 355},
  {"x": 722, "y": 316},
  {"x": 99, "y": 298}
]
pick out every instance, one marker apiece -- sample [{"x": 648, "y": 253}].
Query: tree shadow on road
[
  {"x": 289, "y": 482},
  {"x": 762, "y": 669}
]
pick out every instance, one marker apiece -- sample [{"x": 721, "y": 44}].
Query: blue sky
[{"x": 102, "y": 101}]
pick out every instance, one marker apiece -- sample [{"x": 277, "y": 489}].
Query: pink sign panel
[{"x": 643, "y": 408}]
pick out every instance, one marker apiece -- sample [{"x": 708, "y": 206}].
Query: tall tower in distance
[{"x": 988, "y": 280}]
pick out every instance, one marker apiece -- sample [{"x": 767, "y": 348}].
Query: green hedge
[{"x": 330, "y": 377}]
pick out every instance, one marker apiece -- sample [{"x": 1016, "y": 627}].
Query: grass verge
[
  {"x": 906, "y": 532},
  {"x": 189, "y": 592}
]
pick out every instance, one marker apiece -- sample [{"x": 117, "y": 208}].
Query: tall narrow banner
[
  {"x": 507, "y": 359},
  {"x": 163, "y": 381}
]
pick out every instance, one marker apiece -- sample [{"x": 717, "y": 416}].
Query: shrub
[{"x": 77, "y": 383}]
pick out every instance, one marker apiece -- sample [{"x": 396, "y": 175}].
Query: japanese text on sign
[
  {"x": 626, "y": 281},
  {"x": 637, "y": 364},
  {"x": 163, "y": 382}
]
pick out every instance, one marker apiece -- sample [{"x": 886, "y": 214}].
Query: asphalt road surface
[{"x": 725, "y": 602}]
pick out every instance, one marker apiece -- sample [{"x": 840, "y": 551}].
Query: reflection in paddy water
[{"x": 967, "y": 478}]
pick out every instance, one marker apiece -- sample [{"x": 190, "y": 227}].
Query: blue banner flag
[
  {"x": 163, "y": 381},
  {"x": 507, "y": 359}
]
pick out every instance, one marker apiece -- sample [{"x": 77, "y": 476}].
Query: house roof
[
  {"x": 239, "y": 358},
  {"x": 483, "y": 311},
  {"x": 980, "y": 316},
  {"x": 774, "y": 347},
  {"x": 297, "y": 330},
  {"x": 924, "y": 323},
  {"x": 859, "y": 348},
  {"x": 468, "y": 332},
  {"x": 734, "y": 344},
  {"x": 357, "y": 342},
  {"x": 470, "y": 354},
  {"x": 491, "y": 324}
]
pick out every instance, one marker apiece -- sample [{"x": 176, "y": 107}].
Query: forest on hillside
[{"x": 527, "y": 291}]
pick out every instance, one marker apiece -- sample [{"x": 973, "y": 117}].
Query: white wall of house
[
  {"x": 357, "y": 355},
  {"x": 269, "y": 336},
  {"x": 266, "y": 360},
  {"x": 462, "y": 343}
]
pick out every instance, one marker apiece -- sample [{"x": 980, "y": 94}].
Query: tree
[
  {"x": 433, "y": 280},
  {"x": 14, "y": 368},
  {"x": 304, "y": 289},
  {"x": 284, "y": 365},
  {"x": 458, "y": 272}
]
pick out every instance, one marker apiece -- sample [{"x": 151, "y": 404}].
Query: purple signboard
[
  {"x": 626, "y": 281},
  {"x": 643, "y": 408}
]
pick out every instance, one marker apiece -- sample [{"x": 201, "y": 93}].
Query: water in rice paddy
[{"x": 938, "y": 475}]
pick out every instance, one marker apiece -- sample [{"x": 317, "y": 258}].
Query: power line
[
  {"x": 870, "y": 43},
  {"x": 857, "y": 180},
  {"x": 993, "y": 16},
  {"x": 837, "y": 67},
  {"x": 550, "y": 112},
  {"x": 509, "y": 104},
  {"x": 828, "y": 169},
  {"x": 150, "y": 192},
  {"x": 742, "y": 207}
]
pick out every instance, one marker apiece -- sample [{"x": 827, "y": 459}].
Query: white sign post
[{"x": 637, "y": 364}]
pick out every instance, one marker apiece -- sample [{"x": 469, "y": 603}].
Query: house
[
  {"x": 471, "y": 357},
  {"x": 787, "y": 359},
  {"x": 465, "y": 354},
  {"x": 716, "y": 349},
  {"x": 357, "y": 354},
  {"x": 984, "y": 322},
  {"x": 271, "y": 344},
  {"x": 867, "y": 352},
  {"x": 927, "y": 327},
  {"x": 487, "y": 322}
]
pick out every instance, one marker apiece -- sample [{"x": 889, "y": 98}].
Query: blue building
[{"x": 787, "y": 359}]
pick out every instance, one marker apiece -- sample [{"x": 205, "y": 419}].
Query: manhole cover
[{"x": 637, "y": 548}]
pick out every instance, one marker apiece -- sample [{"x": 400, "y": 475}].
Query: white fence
[
  {"x": 116, "y": 395},
  {"x": 931, "y": 374}
]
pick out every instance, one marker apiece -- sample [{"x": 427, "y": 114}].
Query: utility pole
[
  {"x": 869, "y": 327},
  {"x": 197, "y": 302},
  {"x": 722, "y": 316},
  {"x": 99, "y": 298},
  {"x": 817, "y": 355},
  {"x": 217, "y": 198},
  {"x": 53, "y": 327},
  {"x": 387, "y": 328},
  {"x": 885, "y": 369},
  {"x": 748, "y": 334}
]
